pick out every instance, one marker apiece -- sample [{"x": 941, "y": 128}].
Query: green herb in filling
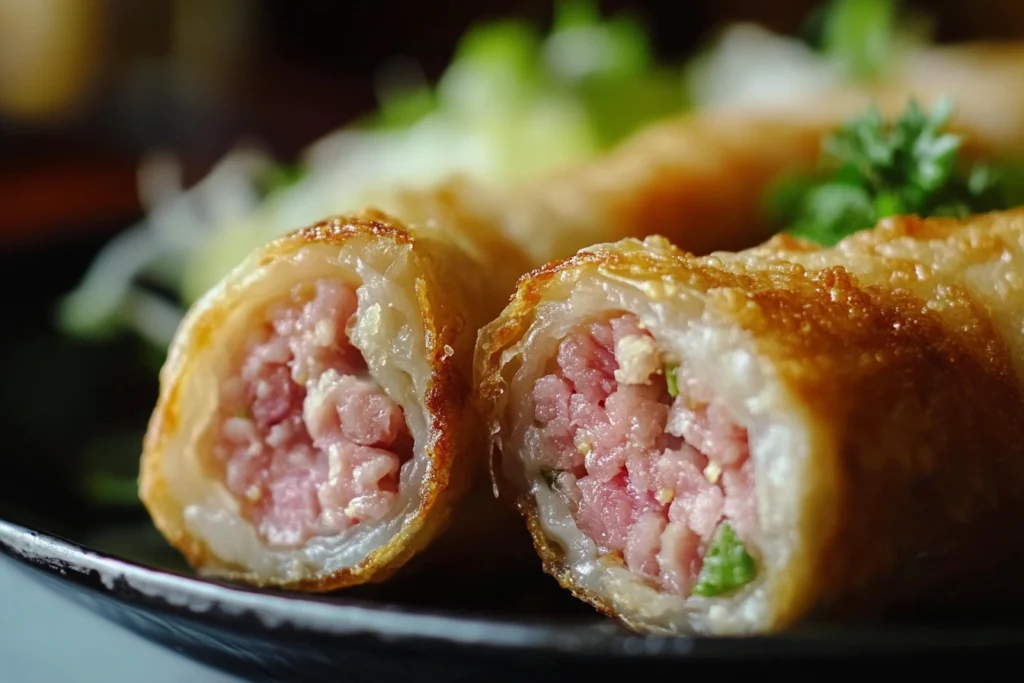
[
  {"x": 727, "y": 564},
  {"x": 875, "y": 169},
  {"x": 671, "y": 379}
]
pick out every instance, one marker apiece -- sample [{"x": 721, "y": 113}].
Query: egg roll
[
  {"x": 287, "y": 448},
  {"x": 313, "y": 428},
  {"x": 702, "y": 179},
  {"x": 742, "y": 442}
]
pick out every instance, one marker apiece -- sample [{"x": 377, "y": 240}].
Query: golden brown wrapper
[
  {"x": 898, "y": 357},
  {"x": 443, "y": 279}
]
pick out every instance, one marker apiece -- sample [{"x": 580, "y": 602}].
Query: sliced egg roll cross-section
[
  {"x": 734, "y": 443},
  {"x": 313, "y": 425}
]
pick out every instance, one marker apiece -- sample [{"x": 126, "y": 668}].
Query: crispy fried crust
[
  {"x": 903, "y": 347},
  {"x": 452, "y": 305}
]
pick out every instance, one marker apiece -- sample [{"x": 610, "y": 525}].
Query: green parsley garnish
[
  {"x": 874, "y": 169},
  {"x": 727, "y": 564},
  {"x": 671, "y": 379}
]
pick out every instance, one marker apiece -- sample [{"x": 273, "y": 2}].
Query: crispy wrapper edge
[
  {"x": 914, "y": 490},
  {"x": 444, "y": 289},
  {"x": 503, "y": 332}
]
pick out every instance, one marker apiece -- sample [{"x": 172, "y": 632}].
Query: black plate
[{"x": 267, "y": 635}]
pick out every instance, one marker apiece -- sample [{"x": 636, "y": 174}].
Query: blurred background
[{"x": 282, "y": 109}]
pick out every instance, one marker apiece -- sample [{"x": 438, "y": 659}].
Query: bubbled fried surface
[{"x": 900, "y": 345}]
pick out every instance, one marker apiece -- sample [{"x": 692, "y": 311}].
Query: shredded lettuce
[
  {"x": 610, "y": 66},
  {"x": 112, "y": 296}
]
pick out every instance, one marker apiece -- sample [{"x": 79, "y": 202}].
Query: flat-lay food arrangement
[{"x": 716, "y": 350}]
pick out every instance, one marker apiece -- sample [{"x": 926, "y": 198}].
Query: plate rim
[
  {"x": 329, "y": 616},
  {"x": 197, "y": 597}
]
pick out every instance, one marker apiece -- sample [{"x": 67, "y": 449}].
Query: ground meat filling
[
  {"x": 652, "y": 468},
  {"x": 309, "y": 443}
]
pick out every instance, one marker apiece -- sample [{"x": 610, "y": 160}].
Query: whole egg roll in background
[
  {"x": 738, "y": 442},
  {"x": 701, "y": 179},
  {"x": 314, "y": 427}
]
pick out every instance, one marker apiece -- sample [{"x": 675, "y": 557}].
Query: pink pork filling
[
  {"x": 309, "y": 443},
  {"x": 648, "y": 476}
]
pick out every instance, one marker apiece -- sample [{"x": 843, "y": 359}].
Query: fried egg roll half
[
  {"x": 314, "y": 428},
  {"x": 735, "y": 443}
]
